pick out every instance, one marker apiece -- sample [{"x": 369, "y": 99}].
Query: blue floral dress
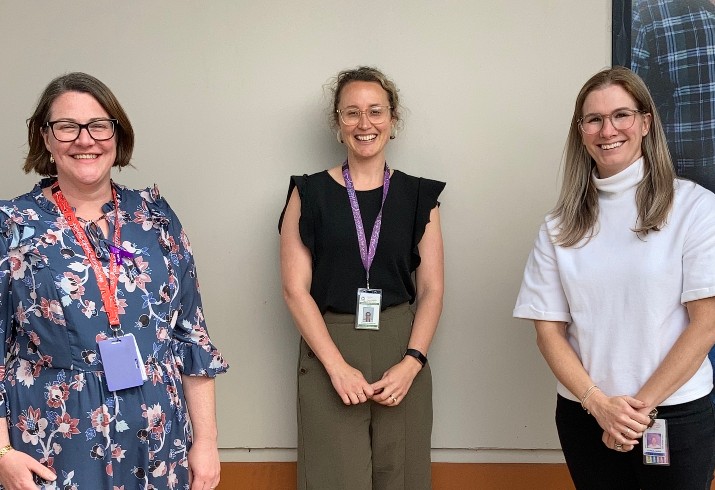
[{"x": 52, "y": 388}]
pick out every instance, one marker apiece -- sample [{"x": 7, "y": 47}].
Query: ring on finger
[
  {"x": 392, "y": 397},
  {"x": 628, "y": 432},
  {"x": 618, "y": 447}
]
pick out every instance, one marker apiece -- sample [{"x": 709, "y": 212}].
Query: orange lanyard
[{"x": 107, "y": 285}]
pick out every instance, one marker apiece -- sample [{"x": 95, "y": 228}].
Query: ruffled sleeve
[
  {"x": 5, "y": 310},
  {"x": 306, "y": 226},
  {"x": 427, "y": 193},
  {"x": 15, "y": 254},
  {"x": 192, "y": 347}
]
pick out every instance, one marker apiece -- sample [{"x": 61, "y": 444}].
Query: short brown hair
[
  {"x": 364, "y": 74},
  {"x": 38, "y": 159}
]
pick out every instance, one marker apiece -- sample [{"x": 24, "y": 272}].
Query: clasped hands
[
  {"x": 389, "y": 390},
  {"x": 622, "y": 418}
]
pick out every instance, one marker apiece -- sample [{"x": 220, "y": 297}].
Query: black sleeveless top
[{"x": 327, "y": 229}]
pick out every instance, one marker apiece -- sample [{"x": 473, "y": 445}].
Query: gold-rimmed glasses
[
  {"x": 621, "y": 119},
  {"x": 376, "y": 114}
]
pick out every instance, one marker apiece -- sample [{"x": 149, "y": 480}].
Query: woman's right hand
[
  {"x": 350, "y": 385},
  {"x": 17, "y": 471},
  {"x": 619, "y": 417}
]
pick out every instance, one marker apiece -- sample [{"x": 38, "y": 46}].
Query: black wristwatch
[{"x": 417, "y": 355}]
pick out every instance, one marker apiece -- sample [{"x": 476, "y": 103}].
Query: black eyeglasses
[{"x": 68, "y": 131}]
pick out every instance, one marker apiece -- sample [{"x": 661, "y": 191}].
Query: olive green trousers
[{"x": 367, "y": 446}]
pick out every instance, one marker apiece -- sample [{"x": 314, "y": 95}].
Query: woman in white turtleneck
[{"x": 621, "y": 287}]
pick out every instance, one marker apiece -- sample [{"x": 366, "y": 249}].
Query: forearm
[
  {"x": 561, "y": 357},
  {"x": 297, "y": 276},
  {"x": 680, "y": 364},
  {"x": 429, "y": 285},
  {"x": 200, "y": 393},
  {"x": 312, "y": 328},
  {"x": 429, "y": 309},
  {"x": 397, "y": 380}
]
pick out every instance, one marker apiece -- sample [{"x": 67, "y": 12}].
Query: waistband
[{"x": 390, "y": 313}]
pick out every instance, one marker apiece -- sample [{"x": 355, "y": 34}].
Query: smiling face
[
  {"x": 83, "y": 162},
  {"x": 365, "y": 140},
  {"x": 612, "y": 149}
]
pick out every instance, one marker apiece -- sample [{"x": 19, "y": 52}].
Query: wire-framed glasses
[
  {"x": 621, "y": 119},
  {"x": 376, "y": 114},
  {"x": 67, "y": 131}
]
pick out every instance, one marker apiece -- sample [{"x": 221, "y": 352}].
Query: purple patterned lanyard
[{"x": 366, "y": 254}]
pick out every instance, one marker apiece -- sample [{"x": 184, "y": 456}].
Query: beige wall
[{"x": 226, "y": 99}]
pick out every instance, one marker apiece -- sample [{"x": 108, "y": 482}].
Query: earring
[
  {"x": 339, "y": 137},
  {"x": 393, "y": 133},
  {"x": 52, "y": 159}
]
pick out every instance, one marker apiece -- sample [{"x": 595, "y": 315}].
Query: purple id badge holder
[{"x": 123, "y": 367}]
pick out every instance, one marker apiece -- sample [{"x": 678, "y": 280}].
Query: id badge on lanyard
[
  {"x": 120, "y": 354},
  {"x": 369, "y": 301},
  {"x": 122, "y": 361},
  {"x": 655, "y": 444},
  {"x": 367, "y": 316}
]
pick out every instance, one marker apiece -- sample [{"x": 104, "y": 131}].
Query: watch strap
[{"x": 417, "y": 355}]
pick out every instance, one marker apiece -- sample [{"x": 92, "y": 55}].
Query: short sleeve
[
  {"x": 306, "y": 226},
  {"x": 699, "y": 250},
  {"x": 428, "y": 192},
  {"x": 541, "y": 296}
]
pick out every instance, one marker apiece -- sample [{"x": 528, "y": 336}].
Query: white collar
[{"x": 624, "y": 180}]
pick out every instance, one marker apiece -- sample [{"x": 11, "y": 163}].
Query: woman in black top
[{"x": 364, "y": 387}]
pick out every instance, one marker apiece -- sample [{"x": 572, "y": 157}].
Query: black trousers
[{"x": 691, "y": 433}]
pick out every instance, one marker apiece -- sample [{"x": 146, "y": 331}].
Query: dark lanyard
[
  {"x": 367, "y": 254},
  {"x": 107, "y": 285}
]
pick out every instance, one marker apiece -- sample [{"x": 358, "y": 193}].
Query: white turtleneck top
[{"x": 623, "y": 296}]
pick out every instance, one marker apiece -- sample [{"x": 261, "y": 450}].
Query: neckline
[
  {"x": 626, "y": 179},
  {"x": 330, "y": 177},
  {"x": 52, "y": 208}
]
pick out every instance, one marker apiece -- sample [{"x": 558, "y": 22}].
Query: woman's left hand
[
  {"x": 204, "y": 466},
  {"x": 612, "y": 443},
  {"x": 392, "y": 388}
]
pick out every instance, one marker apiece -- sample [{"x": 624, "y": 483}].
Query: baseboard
[{"x": 445, "y": 476}]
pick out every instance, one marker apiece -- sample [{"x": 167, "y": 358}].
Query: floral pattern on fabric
[{"x": 52, "y": 387}]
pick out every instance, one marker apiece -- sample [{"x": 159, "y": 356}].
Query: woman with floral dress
[{"x": 87, "y": 265}]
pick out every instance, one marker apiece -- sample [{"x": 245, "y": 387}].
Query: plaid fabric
[{"x": 674, "y": 52}]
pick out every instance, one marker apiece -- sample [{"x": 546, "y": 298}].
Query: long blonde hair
[{"x": 576, "y": 210}]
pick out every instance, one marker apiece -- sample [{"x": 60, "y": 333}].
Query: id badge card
[
  {"x": 655, "y": 444},
  {"x": 367, "y": 316},
  {"x": 123, "y": 367}
]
